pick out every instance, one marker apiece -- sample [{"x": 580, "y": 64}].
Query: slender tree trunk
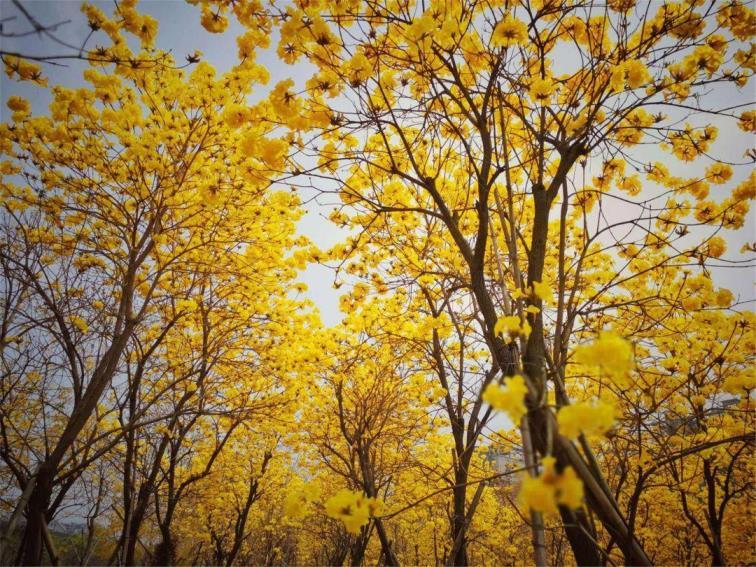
[
  {"x": 165, "y": 552},
  {"x": 536, "y": 518},
  {"x": 132, "y": 531},
  {"x": 388, "y": 553},
  {"x": 10, "y": 528},
  {"x": 717, "y": 559},
  {"x": 459, "y": 524},
  {"x": 358, "y": 548},
  {"x": 542, "y": 422},
  {"x": 36, "y": 510},
  {"x": 49, "y": 544}
]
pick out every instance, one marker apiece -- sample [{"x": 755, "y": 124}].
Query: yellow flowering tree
[
  {"x": 127, "y": 210},
  {"x": 508, "y": 131},
  {"x": 536, "y": 362}
]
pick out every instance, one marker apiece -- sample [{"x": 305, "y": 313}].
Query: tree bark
[
  {"x": 36, "y": 510},
  {"x": 536, "y": 518},
  {"x": 165, "y": 552},
  {"x": 459, "y": 523},
  {"x": 388, "y": 553}
]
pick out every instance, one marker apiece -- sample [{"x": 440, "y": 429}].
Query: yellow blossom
[
  {"x": 540, "y": 90},
  {"x": 511, "y": 327},
  {"x": 509, "y": 31},
  {"x": 632, "y": 73},
  {"x": 610, "y": 352},
  {"x": 719, "y": 173},
  {"x": 543, "y": 291},
  {"x": 723, "y": 298},
  {"x": 569, "y": 489},
  {"x": 273, "y": 152},
  {"x": 586, "y": 417},
  {"x": 545, "y": 492},
  {"x": 736, "y": 383},
  {"x": 79, "y": 323},
  {"x": 630, "y": 184},
  {"x": 747, "y": 121},
  {"x": 536, "y": 495},
  {"x": 509, "y": 397},
  {"x": 19, "y": 106},
  {"x": 716, "y": 246},
  {"x": 25, "y": 70},
  {"x": 517, "y": 294},
  {"x": 213, "y": 21},
  {"x": 636, "y": 73},
  {"x": 296, "y": 501},
  {"x": 352, "y": 508}
]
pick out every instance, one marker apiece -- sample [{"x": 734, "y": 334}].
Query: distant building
[{"x": 692, "y": 424}]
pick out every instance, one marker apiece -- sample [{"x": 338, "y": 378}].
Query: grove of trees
[{"x": 544, "y": 348}]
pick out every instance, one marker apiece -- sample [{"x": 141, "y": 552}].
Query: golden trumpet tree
[
  {"x": 125, "y": 208},
  {"x": 543, "y": 356}
]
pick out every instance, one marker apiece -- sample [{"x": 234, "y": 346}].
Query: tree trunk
[
  {"x": 357, "y": 550},
  {"x": 577, "y": 527},
  {"x": 165, "y": 552},
  {"x": 36, "y": 510},
  {"x": 717, "y": 559},
  {"x": 542, "y": 422},
  {"x": 459, "y": 523},
  {"x": 38, "y": 507},
  {"x": 131, "y": 533},
  {"x": 388, "y": 553}
]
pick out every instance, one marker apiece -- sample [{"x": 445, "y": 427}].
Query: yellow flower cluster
[
  {"x": 586, "y": 417},
  {"x": 511, "y": 327},
  {"x": 509, "y": 31},
  {"x": 353, "y": 508},
  {"x": 543, "y": 291},
  {"x": 545, "y": 492},
  {"x": 509, "y": 398},
  {"x": 23, "y": 69},
  {"x": 213, "y": 20},
  {"x": 747, "y": 121},
  {"x": 716, "y": 246},
  {"x": 79, "y": 323},
  {"x": 610, "y": 352},
  {"x": 19, "y": 106},
  {"x": 689, "y": 143},
  {"x": 540, "y": 90},
  {"x": 719, "y": 173},
  {"x": 141, "y": 25},
  {"x": 296, "y": 501},
  {"x": 632, "y": 73}
]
